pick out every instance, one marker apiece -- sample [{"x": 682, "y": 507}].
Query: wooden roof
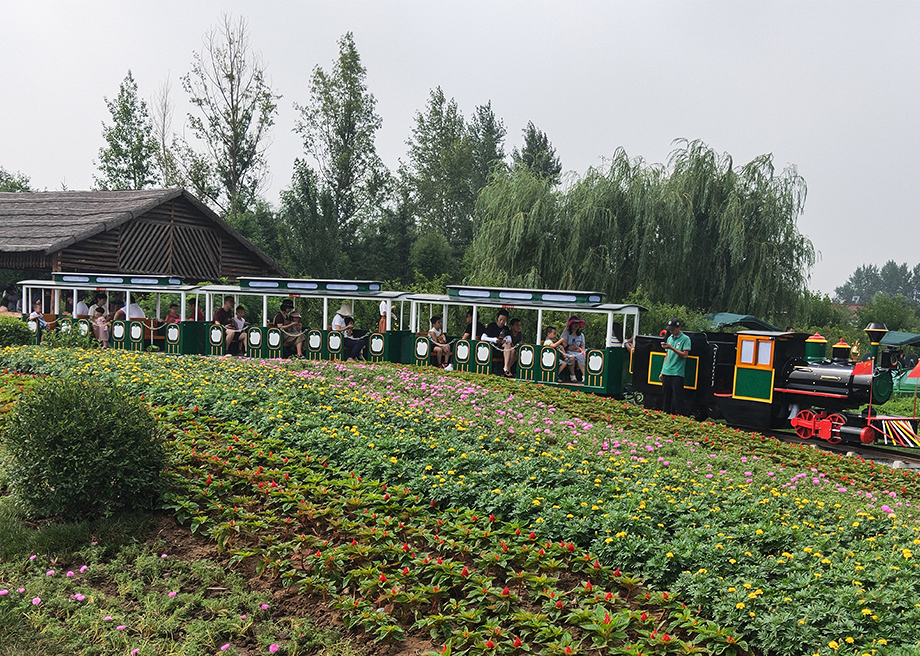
[{"x": 48, "y": 222}]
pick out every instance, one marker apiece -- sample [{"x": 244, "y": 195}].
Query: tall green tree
[
  {"x": 440, "y": 171},
  {"x": 339, "y": 127},
  {"x": 861, "y": 286},
  {"x": 236, "y": 108},
  {"x": 308, "y": 231},
  {"x": 128, "y": 160},
  {"x": 538, "y": 155},
  {"x": 487, "y": 145},
  {"x": 13, "y": 181}
]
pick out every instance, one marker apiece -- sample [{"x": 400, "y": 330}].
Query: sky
[{"x": 830, "y": 88}]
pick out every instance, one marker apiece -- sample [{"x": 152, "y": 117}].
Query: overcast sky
[{"x": 831, "y": 88}]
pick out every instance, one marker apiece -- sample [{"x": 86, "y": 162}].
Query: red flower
[
  {"x": 465, "y": 572},
  {"x": 405, "y": 571},
  {"x": 616, "y": 572},
  {"x": 491, "y": 518},
  {"x": 606, "y": 617},
  {"x": 559, "y": 604},
  {"x": 588, "y": 586},
  {"x": 532, "y": 535},
  {"x": 643, "y": 617},
  {"x": 517, "y": 641},
  {"x": 506, "y": 592},
  {"x": 666, "y": 638},
  {"x": 608, "y": 596},
  {"x": 490, "y": 644},
  {"x": 383, "y": 578}
]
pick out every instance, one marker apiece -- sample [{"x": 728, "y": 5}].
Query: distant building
[{"x": 150, "y": 231}]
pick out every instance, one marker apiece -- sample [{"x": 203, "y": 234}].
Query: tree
[
  {"x": 338, "y": 128},
  {"x": 487, "y": 143},
  {"x": 128, "y": 160},
  {"x": 236, "y": 109},
  {"x": 439, "y": 175},
  {"x": 13, "y": 181},
  {"x": 538, "y": 155},
  {"x": 861, "y": 286},
  {"x": 897, "y": 312},
  {"x": 166, "y": 161},
  {"x": 308, "y": 232}
]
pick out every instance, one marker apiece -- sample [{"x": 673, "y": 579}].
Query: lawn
[{"x": 737, "y": 538}]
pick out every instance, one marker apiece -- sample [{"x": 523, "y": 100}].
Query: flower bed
[{"x": 801, "y": 550}]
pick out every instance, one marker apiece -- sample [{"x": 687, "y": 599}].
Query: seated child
[
  {"x": 173, "y": 315},
  {"x": 355, "y": 346},
  {"x": 565, "y": 360},
  {"x": 101, "y": 327}
]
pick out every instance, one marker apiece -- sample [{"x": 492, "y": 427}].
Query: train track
[{"x": 878, "y": 454}]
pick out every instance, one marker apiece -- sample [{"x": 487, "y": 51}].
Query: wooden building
[{"x": 150, "y": 231}]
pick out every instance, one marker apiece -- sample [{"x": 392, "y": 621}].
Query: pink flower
[
  {"x": 33, "y": 557},
  {"x": 163, "y": 556},
  {"x": 79, "y": 597},
  {"x": 36, "y": 601},
  {"x": 264, "y": 607},
  {"x": 4, "y": 592},
  {"x": 69, "y": 574},
  {"x": 107, "y": 618},
  {"x": 135, "y": 652},
  {"x": 83, "y": 569},
  {"x": 120, "y": 627},
  {"x": 273, "y": 648},
  {"x": 50, "y": 572},
  {"x": 225, "y": 647},
  {"x": 242, "y": 617},
  {"x": 21, "y": 590},
  {"x": 171, "y": 594}
]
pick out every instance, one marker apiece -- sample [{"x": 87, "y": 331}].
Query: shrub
[
  {"x": 71, "y": 339},
  {"x": 81, "y": 449},
  {"x": 14, "y": 332}
]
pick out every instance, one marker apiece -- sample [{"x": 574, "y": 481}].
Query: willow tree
[
  {"x": 520, "y": 241},
  {"x": 699, "y": 232}
]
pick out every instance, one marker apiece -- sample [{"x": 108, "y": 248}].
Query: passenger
[
  {"x": 291, "y": 330},
  {"x": 382, "y": 323},
  {"x": 338, "y": 321},
  {"x": 469, "y": 333},
  {"x": 232, "y": 335},
  {"x": 565, "y": 360},
  {"x": 354, "y": 345},
  {"x": 100, "y": 327},
  {"x": 12, "y": 302},
  {"x": 129, "y": 312},
  {"x": 575, "y": 344},
  {"x": 618, "y": 338},
  {"x": 194, "y": 313},
  {"x": 99, "y": 300},
  {"x": 240, "y": 319},
  {"x": 82, "y": 310},
  {"x": 440, "y": 348},
  {"x": 173, "y": 315},
  {"x": 499, "y": 333},
  {"x": 39, "y": 318},
  {"x": 677, "y": 348}
]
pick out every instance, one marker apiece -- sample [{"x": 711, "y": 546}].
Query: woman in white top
[{"x": 338, "y": 321}]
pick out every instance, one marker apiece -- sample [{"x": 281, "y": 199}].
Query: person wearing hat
[
  {"x": 575, "y": 344},
  {"x": 677, "y": 348},
  {"x": 291, "y": 330},
  {"x": 338, "y": 321}
]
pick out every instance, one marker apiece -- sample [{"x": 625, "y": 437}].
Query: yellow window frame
[{"x": 757, "y": 344}]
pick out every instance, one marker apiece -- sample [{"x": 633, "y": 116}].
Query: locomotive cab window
[{"x": 755, "y": 352}]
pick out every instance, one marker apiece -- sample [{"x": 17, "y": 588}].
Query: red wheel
[
  {"x": 804, "y": 423},
  {"x": 836, "y": 422}
]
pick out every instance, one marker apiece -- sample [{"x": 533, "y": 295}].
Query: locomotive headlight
[{"x": 876, "y": 331}]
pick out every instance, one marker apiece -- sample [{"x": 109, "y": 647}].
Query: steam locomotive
[{"x": 773, "y": 379}]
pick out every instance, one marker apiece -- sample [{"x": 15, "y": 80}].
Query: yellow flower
[
  {"x": 833, "y": 644},
  {"x": 669, "y": 555},
  {"x": 848, "y": 640},
  {"x": 739, "y": 605},
  {"x": 866, "y": 611}
]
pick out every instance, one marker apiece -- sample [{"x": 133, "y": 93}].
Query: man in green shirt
[{"x": 677, "y": 349}]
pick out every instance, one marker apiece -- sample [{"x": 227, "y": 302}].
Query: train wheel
[
  {"x": 836, "y": 422},
  {"x": 805, "y": 423}
]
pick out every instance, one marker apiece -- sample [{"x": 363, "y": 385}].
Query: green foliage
[
  {"x": 655, "y": 320},
  {"x": 701, "y": 232},
  {"x": 83, "y": 449},
  {"x": 896, "y": 312},
  {"x": 868, "y": 280},
  {"x": 236, "y": 109},
  {"x": 13, "y": 181},
  {"x": 338, "y": 128},
  {"x": 431, "y": 255},
  {"x": 440, "y": 169},
  {"x": 307, "y": 228},
  {"x": 71, "y": 339},
  {"x": 14, "y": 331},
  {"x": 538, "y": 156},
  {"x": 128, "y": 160}
]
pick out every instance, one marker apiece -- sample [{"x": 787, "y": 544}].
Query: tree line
[{"x": 698, "y": 231}]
